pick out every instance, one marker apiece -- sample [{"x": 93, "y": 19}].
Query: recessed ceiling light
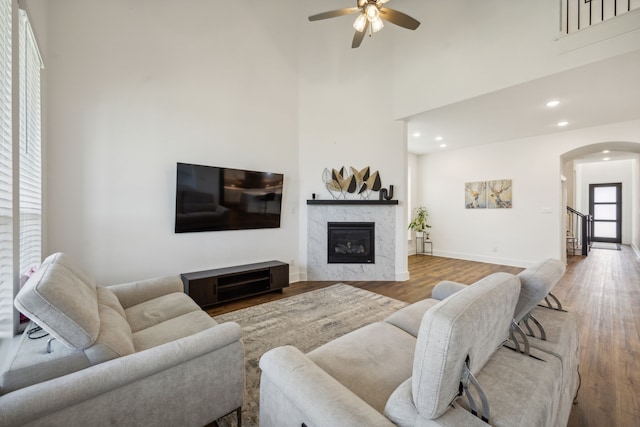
[
  {"x": 416, "y": 134},
  {"x": 563, "y": 123},
  {"x": 605, "y": 151},
  {"x": 606, "y": 158},
  {"x": 553, "y": 103},
  {"x": 443, "y": 145},
  {"x": 439, "y": 138}
]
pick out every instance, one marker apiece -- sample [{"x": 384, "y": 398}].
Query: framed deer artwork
[
  {"x": 499, "y": 194},
  {"x": 488, "y": 194},
  {"x": 475, "y": 195}
]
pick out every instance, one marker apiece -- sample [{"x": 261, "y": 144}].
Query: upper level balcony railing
[{"x": 580, "y": 14}]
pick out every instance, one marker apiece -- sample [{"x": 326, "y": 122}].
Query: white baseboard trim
[
  {"x": 402, "y": 276},
  {"x": 635, "y": 250},
  {"x": 490, "y": 260}
]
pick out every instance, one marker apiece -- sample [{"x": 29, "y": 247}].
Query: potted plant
[{"x": 421, "y": 222}]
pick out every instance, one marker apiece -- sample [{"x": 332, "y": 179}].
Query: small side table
[
  {"x": 427, "y": 242},
  {"x": 424, "y": 242}
]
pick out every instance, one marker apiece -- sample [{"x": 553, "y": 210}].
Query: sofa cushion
[
  {"x": 561, "y": 328},
  {"x": 62, "y": 304},
  {"x": 521, "y": 390},
  {"x": 401, "y": 410},
  {"x": 65, "y": 260},
  {"x": 536, "y": 283},
  {"x": 371, "y": 361},
  {"x": 32, "y": 364},
  {"x": 172, "y": 329},
  {"x": 408, "y": 318},
  {"x": 471, "y": 323},
  {"x": 446, "y": 288},
  {"x": 139, "y": 291},
  {"x": 114, "y": 338},
  {"x": 157, "y": 310}
]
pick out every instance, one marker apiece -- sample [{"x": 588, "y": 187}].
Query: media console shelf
[{"x": 220, "y": 285}]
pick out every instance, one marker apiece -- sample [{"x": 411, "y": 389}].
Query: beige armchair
[{"x": 141, "y": 353}]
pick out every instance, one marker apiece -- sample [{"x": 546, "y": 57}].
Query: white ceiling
[{"x": 596, "y": 94}]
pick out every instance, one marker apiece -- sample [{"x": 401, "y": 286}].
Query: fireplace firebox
[{"x": 351, "y": 242}]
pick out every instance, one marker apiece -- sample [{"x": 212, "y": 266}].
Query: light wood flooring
[{"x": 604, "y": 288}]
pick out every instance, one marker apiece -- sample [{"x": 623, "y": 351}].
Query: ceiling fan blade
[
  {"x": 399, "y": 18},
  {"x": 359, "y": 35},
  {"x": 334, "y": 13}
]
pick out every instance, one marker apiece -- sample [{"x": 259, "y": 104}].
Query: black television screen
[{"x": 212, "y": 198}]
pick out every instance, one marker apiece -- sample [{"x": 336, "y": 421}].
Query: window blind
[
  {"x": 6, "y": 170},
  {"x": 30, "y": 149}
]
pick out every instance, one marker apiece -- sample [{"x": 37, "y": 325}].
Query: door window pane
[
  {"x": 604, "y": 229},
  {"x": 605, "y": 212},
  {"x": 604, "y": 195}
]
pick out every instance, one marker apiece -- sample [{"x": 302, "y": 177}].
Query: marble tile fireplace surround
[{"x": 381, "y": 213}]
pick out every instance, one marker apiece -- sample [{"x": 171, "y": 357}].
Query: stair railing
[
  {"x": 580, "y": 14},
  {"x": 580, "y": 225}
]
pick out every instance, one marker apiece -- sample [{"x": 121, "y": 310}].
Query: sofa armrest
[
  {"x": 130, "y": 294},
  {"x": 110, "y": 386},
  {"x": 446, "y": 288},
  {"x": 318, "y": 398}
]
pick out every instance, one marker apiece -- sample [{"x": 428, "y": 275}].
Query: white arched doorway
[{"x": 605, "y": 162}]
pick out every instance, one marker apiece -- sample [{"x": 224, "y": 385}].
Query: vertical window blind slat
[
  {"x": 30, "y": 159},
  {"x": 28, "y": 173},
  {"x": 6, "y": 174}
]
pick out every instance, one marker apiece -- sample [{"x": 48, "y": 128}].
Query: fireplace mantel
[{"x": 351, "y": 202}]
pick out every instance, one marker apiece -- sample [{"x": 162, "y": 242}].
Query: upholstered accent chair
[{"x": 140, "y": 353}]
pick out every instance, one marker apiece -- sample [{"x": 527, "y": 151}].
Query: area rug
[
  {"x": 605, "y": 245},
  {"x": 305, "y": 321}
]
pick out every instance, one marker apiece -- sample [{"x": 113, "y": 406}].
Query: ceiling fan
[{"x": 371, "y": 14}]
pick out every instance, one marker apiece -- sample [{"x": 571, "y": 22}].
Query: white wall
[
  {"x": 412, "y": 199},
  {"x": 524, "y": 234},
  {"x": 133, "y": 88},
  {"x": 464, "y": 48},
  {"x": 345, "y": 115},
  {"x": 635, "y": 218}
]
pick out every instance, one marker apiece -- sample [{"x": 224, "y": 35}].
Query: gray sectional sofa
[
  {"x": 141, "y": 353},
  {"x": 469, "y": 359}
]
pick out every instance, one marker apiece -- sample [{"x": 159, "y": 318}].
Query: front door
[{"x": 605, "y": 206}]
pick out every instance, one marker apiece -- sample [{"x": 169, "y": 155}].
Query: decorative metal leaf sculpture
[
  {"x": 347, "y": 184},
  {"x": 361, "y": 176},
  {"x": 331, "y": 184},
  {"x": 374, "y": 183},
  {"x": 361, "y": 182}
]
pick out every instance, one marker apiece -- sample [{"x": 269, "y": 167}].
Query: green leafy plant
[{"x": 421, "y": 220}]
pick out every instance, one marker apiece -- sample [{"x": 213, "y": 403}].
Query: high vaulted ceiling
[{"x": 596, "y": 94}]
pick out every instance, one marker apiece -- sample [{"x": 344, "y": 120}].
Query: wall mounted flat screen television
[{"x": 212, "y": 198}]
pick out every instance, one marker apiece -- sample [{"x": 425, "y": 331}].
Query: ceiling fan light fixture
[
  {"x": 371, "y": 11},
  {"x": 370, "y": 17},
  {"x": 360, "y": 23},
  {"x": 376, "y": 24}
]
